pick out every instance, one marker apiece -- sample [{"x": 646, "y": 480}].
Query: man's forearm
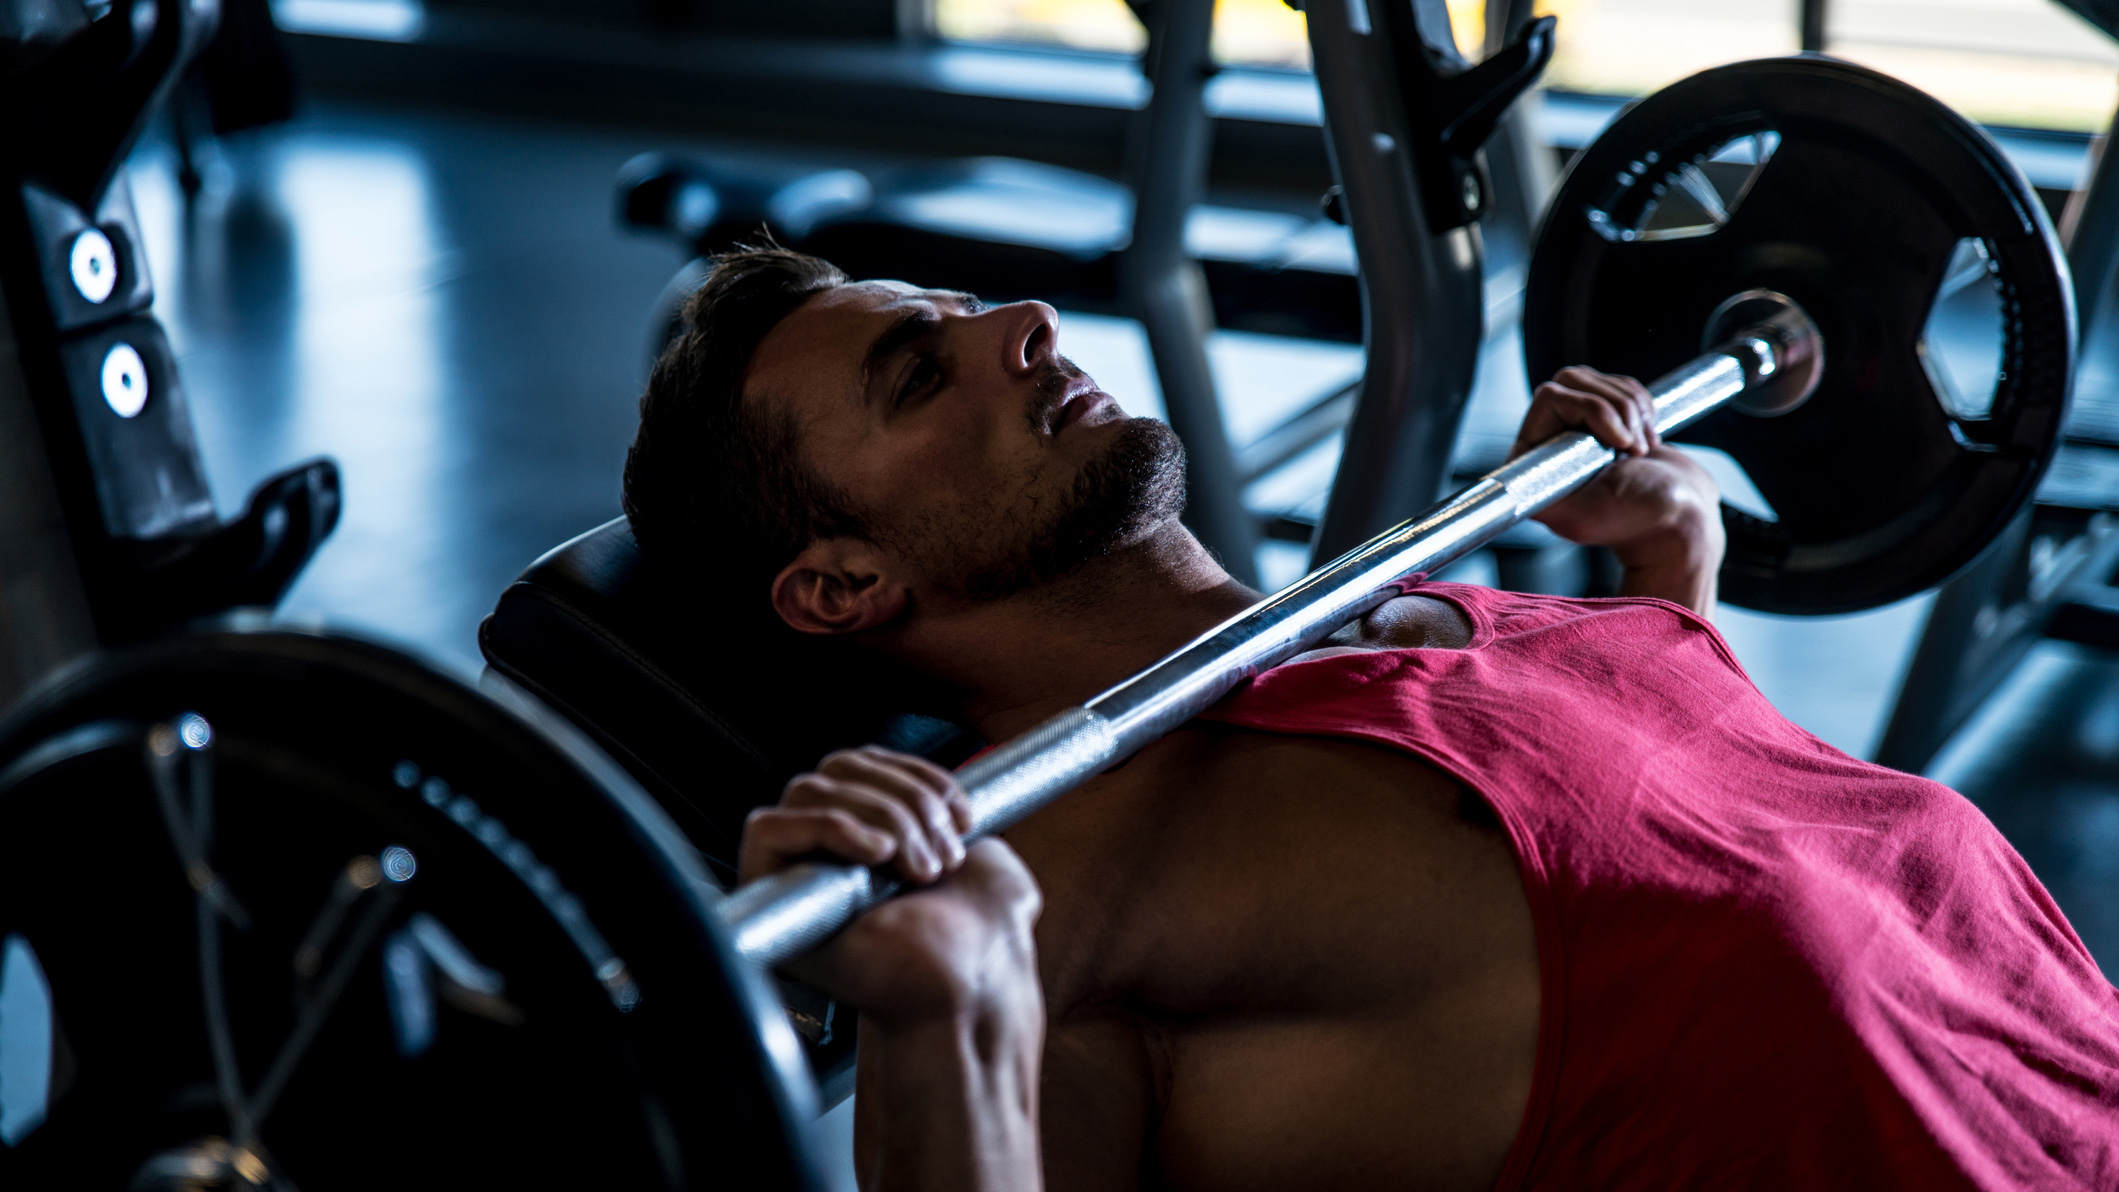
[{"x": 950, "y": 1104}]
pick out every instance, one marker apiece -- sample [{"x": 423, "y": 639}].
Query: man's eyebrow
[{"x": 910, "y": 326}]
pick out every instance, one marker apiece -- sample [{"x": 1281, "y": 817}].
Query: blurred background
[{"x": 423, "y": 274}]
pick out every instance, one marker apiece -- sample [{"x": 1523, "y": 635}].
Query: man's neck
[{"x": 1021, "y": 659}]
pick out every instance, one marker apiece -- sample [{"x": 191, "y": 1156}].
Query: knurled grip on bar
[
  {"x": 1006, "y": 783},
  {"x": 778, "y": 918}
]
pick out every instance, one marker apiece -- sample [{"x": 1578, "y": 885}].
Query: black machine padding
[{"x": 707, "y": 700}]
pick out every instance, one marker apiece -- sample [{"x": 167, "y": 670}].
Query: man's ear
[{"x": 837, "y": 586}]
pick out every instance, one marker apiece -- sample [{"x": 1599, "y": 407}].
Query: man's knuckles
[
  {"x": 1577, "y": 376},
  {"x": 853, "y": 777},
  {"x": 775, "y": 836}
]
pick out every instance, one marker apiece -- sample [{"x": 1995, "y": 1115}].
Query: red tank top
[{"x": 1764, "y": 963}]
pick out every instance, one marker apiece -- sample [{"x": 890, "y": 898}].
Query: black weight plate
[
  {"x": 602, "y": 1034},
  {"x": 1880, "y": 491}
]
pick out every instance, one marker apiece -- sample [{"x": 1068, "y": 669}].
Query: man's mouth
[
  {"x": 1065, "y": 395},
  {"x": 1079, "y": 405}
]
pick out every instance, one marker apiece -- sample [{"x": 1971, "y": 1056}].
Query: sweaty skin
[{"x": 1267, "y": 962}]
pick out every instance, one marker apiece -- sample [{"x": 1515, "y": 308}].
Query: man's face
[{"x": 982, "y": 459}]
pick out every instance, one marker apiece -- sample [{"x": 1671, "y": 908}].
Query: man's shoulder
[{"x": 1412, "y": 622}]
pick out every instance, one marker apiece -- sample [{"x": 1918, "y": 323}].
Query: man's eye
[{"x": 923, "y": 376}]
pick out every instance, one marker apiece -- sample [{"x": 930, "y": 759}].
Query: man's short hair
[{"x": 713, "y": 479}]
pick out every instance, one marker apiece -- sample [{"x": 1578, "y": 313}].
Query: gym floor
[{"x": 443, "y": 303}]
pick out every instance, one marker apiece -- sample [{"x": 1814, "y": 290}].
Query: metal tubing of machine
[{"x": 776, "y": 919}]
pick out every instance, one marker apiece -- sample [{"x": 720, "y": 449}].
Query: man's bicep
[{"x": 1098, "y": 1103}]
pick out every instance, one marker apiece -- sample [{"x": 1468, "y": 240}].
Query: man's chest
[
  {"x": 1260, "y": 943},
  {"x": 1231, "y": 872}
]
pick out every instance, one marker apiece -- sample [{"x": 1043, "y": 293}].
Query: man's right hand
[{"x": 952, "y": 1028}]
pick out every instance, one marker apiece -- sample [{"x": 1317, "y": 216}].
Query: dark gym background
[{"x": 420, "y": 274}]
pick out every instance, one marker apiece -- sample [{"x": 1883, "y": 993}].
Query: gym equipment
[
  {"x": 1166, "y": 289},
  {"x": 1862, "y": 199},
  {"x": 286, "y": 909},
  {"x": 1767, "y": 367},
  {"x": 291, "y": 909},
  {"x": 540, "y": 927},
  {"x": 2055, "y": 572},
  {"x": 108, "y": 532},
  {"x": 1405, "y": 117}
]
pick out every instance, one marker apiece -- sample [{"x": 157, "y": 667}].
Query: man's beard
[{"x": 1136, "y": 484}]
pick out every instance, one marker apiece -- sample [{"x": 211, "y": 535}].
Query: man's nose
[{"x": 1029, "y": 336}]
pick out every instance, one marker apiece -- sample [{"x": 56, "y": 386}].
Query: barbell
[{"x": 281, "y": 907}]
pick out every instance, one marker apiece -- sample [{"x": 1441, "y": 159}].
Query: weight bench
[{"x": 711, "y": 706}]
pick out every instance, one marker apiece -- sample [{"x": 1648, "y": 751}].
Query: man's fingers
[
  {"x": 774, "y": 836},
  {"x": 917, "y": 857},
  {"x": 953, "y": 798},
  {"x": 1569, "y": 409},
  {"x": 952, "y": 795},
  {"x": 869, "y": 806},
  {"x": 1646, "y": 402},
  {"x": 1617, "y": 411},
  {"x": 1627, "y": 393},
  {"x": 923, "y": 787},
  {"x": 1639, "y": 404}
]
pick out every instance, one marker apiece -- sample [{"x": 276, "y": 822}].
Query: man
[{"x": 1493, "y": 890}]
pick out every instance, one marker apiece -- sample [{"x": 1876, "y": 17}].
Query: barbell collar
[{"x": 776, "y": 919}]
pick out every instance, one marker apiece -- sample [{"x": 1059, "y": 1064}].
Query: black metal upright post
[
  {"x": 1518, "y": 160},
  {"x": 1812, "y": 32},
  {"x": 1405, "y": 116},
  {"x": 1165, "y": 288},
  {"x": 44, "y": 612},
  {"x": 2091, "y": 232}
]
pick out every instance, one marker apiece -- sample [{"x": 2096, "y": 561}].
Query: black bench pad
[{"x": 710, "y": 702}]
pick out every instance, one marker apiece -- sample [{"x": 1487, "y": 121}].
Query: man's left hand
[{"x": 1656, "y": 508}]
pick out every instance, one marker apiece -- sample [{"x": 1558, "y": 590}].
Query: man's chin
[
  {"x": 1140, "y": 475},
  {"x": 1128, "y": 490}
]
